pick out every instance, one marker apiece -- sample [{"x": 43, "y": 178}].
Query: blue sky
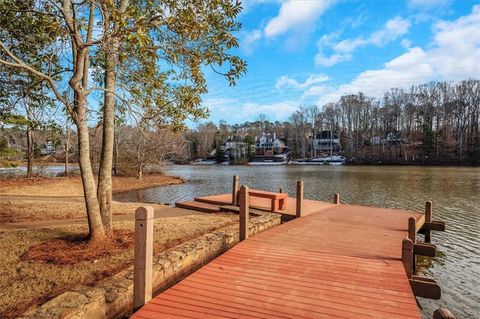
[{"x": 304, "y": 52}]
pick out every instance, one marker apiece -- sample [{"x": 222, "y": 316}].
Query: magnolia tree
[{"x": 142, "y": 58}]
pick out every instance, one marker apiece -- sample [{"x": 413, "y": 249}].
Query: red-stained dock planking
[{"x": 340, "y": 261}]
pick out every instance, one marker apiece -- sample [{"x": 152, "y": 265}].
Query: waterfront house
[
  {"x": 47, "y": 148},
  {"x": 389, "y": 139},
  {"x": 269, "y": 144},
  {"x": 326, "y": 141},
  {"x": 235, "y": 147}
]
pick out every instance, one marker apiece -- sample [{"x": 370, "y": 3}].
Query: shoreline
[{"x": 347, "y": 164}]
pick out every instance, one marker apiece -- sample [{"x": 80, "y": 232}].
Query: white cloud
[
  {"x": 456, "y": 47},
  {"x": 323, "y": 60},
  {"x": 249, "y": 40},
  {"x": 347, "y": 46},
  {"x": 394, "y": 28},
  {"x": 453, "y": 55},
  {"x": 316, "y": 90},
  {"x": 296, "y": 14},
  {"x": 356, "y": 21},
  {"x": 403, "y": 71},
  {"x": 342, "y": 50},
  {"x": 328, "y": 40},
  {"x": 427, "y": 4},
  {"x": 286, "y": 81},
  {"x": 406, "y": 43}
]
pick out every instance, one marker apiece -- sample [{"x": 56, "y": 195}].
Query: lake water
[{"x": 455, "y": 193}]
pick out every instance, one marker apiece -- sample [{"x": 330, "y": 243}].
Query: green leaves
[{"x": 166, "y": 46}]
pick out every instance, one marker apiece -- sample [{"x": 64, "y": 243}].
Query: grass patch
[{"x": 38, "y": 264}]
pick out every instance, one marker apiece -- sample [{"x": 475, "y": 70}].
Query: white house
[
  {"x": 235, "y": 146},
  {"x": 48, "y": 148},
  {"x": 269, "y": 144}
]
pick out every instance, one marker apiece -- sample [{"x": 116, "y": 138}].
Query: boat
[
  {"x": 334, "y": 160},
  {"x": 202, "y": 161},
  {"x": 267, "y": 162},
  {"x": 276, "y": 159}
]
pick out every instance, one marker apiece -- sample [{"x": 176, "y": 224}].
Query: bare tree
[{"x": 141, "y": 148}]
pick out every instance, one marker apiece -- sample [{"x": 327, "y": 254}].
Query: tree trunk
[
  {"x": 67, "y": 146},
  {"x": 29, "y": 151},
  {"x": 29, "y": 141},
  {"x": 140, "y": 172},
  {"x": 106, "y": 160},
  {"x": 97, "y": 231}
]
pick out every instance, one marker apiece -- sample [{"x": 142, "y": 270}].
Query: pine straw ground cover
[{"x": 38, "y": 264}]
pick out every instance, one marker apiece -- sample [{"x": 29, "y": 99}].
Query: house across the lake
[
  {"x": 269, "y": 144},
  {"x": 326, "y": 141},
  {"x": 235, "y": 147}
]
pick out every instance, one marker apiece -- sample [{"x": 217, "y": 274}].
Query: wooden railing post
[
  {"x": 243, "y": 199},
  {"x": 412, "y": 231},
  {"x": 235, "y": 190},
  {"x": 407, "y": 256},
  {"x": 142, "y": 271},
  {"x": 412, "y": 235},
  {"x": 298, "y": 211},
  {"x": 336, "y": 199},
  {"x": 428, "y": 219}
]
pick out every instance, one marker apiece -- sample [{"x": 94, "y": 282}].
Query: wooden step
[
  {"x": 211, "y": 201},
  {"x": 230, "y": 208},
  {"x": 236, "y": 209},
  {"x": 199, "y": 206}
]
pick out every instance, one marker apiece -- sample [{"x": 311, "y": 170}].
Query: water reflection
[{"x": 454, "y": 192}]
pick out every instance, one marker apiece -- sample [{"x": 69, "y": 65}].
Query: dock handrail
[{"x": 421, "y": 286}]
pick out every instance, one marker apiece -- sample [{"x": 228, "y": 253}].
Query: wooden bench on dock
[{"x": 278, "y": 200}]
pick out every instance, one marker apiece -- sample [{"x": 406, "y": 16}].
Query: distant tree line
[{"x": 434, "y": 123}]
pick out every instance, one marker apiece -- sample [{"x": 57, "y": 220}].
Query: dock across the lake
[{"x": 337, "y": 260}]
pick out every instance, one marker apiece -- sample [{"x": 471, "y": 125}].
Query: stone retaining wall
[{"x": 113, "y": 296}]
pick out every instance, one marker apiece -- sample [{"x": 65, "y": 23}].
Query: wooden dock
[{"x": 338, "y": 261}]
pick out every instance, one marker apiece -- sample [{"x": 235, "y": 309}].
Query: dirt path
[
  {"x": 41, "y": 198},
  {"x": 160, "y": 212},
  {"x": 52, "y": 202}
]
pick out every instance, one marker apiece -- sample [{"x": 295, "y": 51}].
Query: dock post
[
  {"x": 412, "y": 231},
  {"x": 234, "y": 190},
  {"x": 298, "y": 212},
  {"x": 412, "y": 235},
  {"x": 336, "y": 198},
  {"x": 407, "y": 256},
  {"x": 143, "y": 255},
  {"x": 428, "y": 219},
  {"x": 243, "y": 199}
]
